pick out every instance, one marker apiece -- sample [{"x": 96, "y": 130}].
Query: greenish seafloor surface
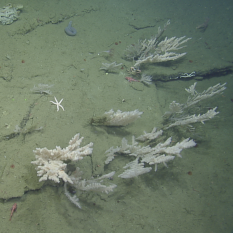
[{"x": 35, "y": 50}]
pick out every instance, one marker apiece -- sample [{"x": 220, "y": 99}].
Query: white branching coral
[
  {"x": 150, "y": 136},
  {"x": 135, "y": 169},
  {"x": 155, "y": 50},
  {"x": 144, "y": 47},
  {"x": 50, "y": 163},
  {"x": 194, "y": 118},
  {"x": 160, "y": 52},
  {"x": 120, "y": 118},
  {"x": 195, "y": 97},
  {"x": 83, "y": 185},
  {"x": 117, "y": 118},
  {"x": 146, "y": 79},
  {"x": 161, "y": 153},
  {"x": 178, "y": 112}
]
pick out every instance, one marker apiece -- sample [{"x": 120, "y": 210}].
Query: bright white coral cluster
[
  {"x": 161, "y": 153},
  {"x": 155, "y": 50},
  {"x": 194, "y": 118},
  {"x": 50, "y": 163},
  {"x": 179, "y": 112},
  {"x": 120, "y": 118},
  {"x": 195, "y": 96},
  {"x": 160, "y": 52}
]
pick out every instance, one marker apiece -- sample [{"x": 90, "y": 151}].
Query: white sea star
[{"x": 58, "y": 104}]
